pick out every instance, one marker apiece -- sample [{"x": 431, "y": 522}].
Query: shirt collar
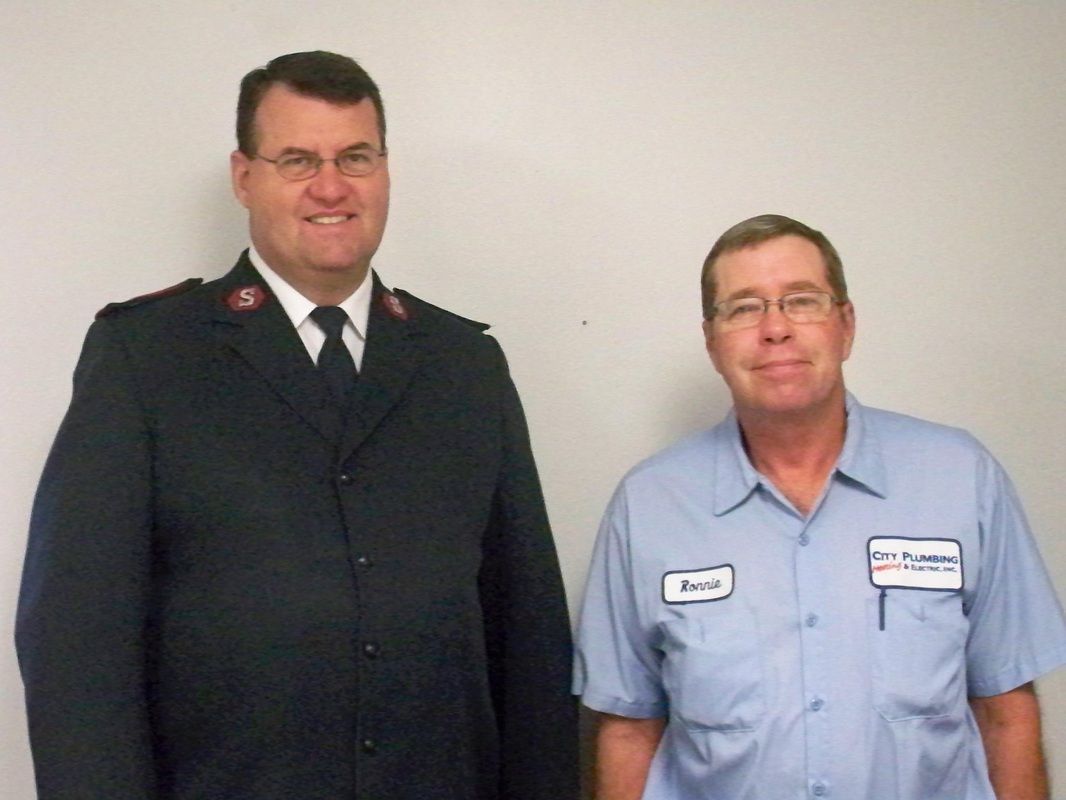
[
  {"x": 735, "y": 477},
  {"x": 299, "y": 308},
  {"x": 860, "y": 459}
]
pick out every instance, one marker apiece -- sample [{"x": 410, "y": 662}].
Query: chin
[
  {"x": 336, "y": 266},
  {"x": 795, "y": 403}
]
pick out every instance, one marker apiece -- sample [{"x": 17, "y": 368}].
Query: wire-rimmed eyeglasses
[
  {"x": 800, "y": 307},
  {"x": 299, "y": 165}
]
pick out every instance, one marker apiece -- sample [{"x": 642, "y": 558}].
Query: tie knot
[{"x": 330, "y": 319}]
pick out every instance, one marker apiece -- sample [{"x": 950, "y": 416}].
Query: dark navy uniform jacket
[{"x": 228, "y": 594}]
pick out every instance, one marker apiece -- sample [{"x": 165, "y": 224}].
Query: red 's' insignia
[
  {"x": 246, "y": 298},
  {"x": 393, "y": 305}
]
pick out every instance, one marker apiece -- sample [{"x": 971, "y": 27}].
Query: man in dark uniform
[{"x": 290, "y": 540}]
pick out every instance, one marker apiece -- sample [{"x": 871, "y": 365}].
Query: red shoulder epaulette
[{"x": 170, "y": 291}]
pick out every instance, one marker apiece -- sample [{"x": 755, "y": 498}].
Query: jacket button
[
  {"x": 345, "y": 478},
  {"x": 371, "y": 650},
  {"x": 364, "y": 561},
  {"x": 369, "y": 746}
]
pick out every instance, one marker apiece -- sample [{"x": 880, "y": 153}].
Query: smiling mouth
[
  {"x": 331, "y": 220},
  {"x": 780, "y": 365}
]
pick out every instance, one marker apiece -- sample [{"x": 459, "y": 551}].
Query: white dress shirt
[{"x": 299, "y": 308}]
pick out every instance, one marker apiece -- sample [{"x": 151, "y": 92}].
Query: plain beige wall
[{"x": 560, "y": 170}]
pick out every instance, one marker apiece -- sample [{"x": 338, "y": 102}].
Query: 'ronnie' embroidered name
[{"x": 698, "y": 586}]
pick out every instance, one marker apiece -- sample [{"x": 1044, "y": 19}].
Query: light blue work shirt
[{"x": 762, "y": 637}]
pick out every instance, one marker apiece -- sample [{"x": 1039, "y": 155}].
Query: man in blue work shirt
[{"x": 813, "y": 599}]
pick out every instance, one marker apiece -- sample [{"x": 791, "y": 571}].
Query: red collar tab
[
  {"x": 246, "y": 298},
  {"x": 394, "y": 306}
]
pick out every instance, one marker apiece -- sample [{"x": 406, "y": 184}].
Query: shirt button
[
  {"x": 819, "y": 789},
  {"x": 816, "y": 704},
  {"x": 345, "y": 478},
  {"x": 364, "y": 561},
  {"x": 369, "y": 746},
  {"x": 812, "y": 620},
  {"x": 371, "y": 650},
  {"x": 804, "y": 540}
]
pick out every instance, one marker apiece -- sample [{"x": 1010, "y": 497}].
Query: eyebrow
[
  {"x": 792, "y": 286},
  {"x": 302, "y": 151}
]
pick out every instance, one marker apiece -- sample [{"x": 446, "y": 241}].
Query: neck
[
  {"x": 326, "y": 296},
  {"x": 323, "y": 286},
  {"x": 329, "y": 289},
  {"x": 796, "y": 452}
]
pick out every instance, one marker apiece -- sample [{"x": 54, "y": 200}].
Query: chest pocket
[
  {"x": 713, "y": 669},
  {"x": 919, "y": 659}
]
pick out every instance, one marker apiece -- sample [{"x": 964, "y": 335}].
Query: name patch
[
  {"x": 899, "y": 562},
  {"x": 698, "y": 586}
]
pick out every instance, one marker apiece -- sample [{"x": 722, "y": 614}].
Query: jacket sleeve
[
  {"x": 81, "y": 618},
  {"x": 527, "y": 627}
]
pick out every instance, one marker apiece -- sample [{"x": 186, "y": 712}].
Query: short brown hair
[
  {"x": 326, "y": 76},
  {"x": 761, "y": 229}
]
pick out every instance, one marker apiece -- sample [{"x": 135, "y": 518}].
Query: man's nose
[
  {"x": 329, "y": 186},
  {"x": 774, "y": 325}
]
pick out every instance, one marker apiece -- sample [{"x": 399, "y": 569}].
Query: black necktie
[{"x": 334, "y": 361}]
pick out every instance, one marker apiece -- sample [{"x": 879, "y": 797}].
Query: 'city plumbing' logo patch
[{"x": 899, "y": 562}]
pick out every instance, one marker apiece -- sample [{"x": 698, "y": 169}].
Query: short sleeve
[
  {"x": 616, "y": 667},
  {"x": 1017, "y": 629}
]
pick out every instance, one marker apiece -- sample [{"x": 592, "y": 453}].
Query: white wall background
[{"x": 559, "y": 170}]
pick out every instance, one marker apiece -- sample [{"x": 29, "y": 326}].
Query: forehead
[
  {"x": 783, "y": 263},
  {"x": 285, "y": 118}
]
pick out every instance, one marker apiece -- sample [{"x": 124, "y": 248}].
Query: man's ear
[
  {"x": 710, "y": 343},
  {"x": 847, "y": 314},
  {"x": 239, "y": 168}
]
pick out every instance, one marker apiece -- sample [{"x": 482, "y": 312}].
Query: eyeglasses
[
  {"x": 800, "y": 307},
  {"x": 299, "y": 165}
]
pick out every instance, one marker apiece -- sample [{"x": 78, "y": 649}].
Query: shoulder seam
[{"x": 133, "y": 302}]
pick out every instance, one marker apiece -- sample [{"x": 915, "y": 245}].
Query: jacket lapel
[
  {"x": 392, "y": 356},
  {"x": 249, "y": 320}
]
